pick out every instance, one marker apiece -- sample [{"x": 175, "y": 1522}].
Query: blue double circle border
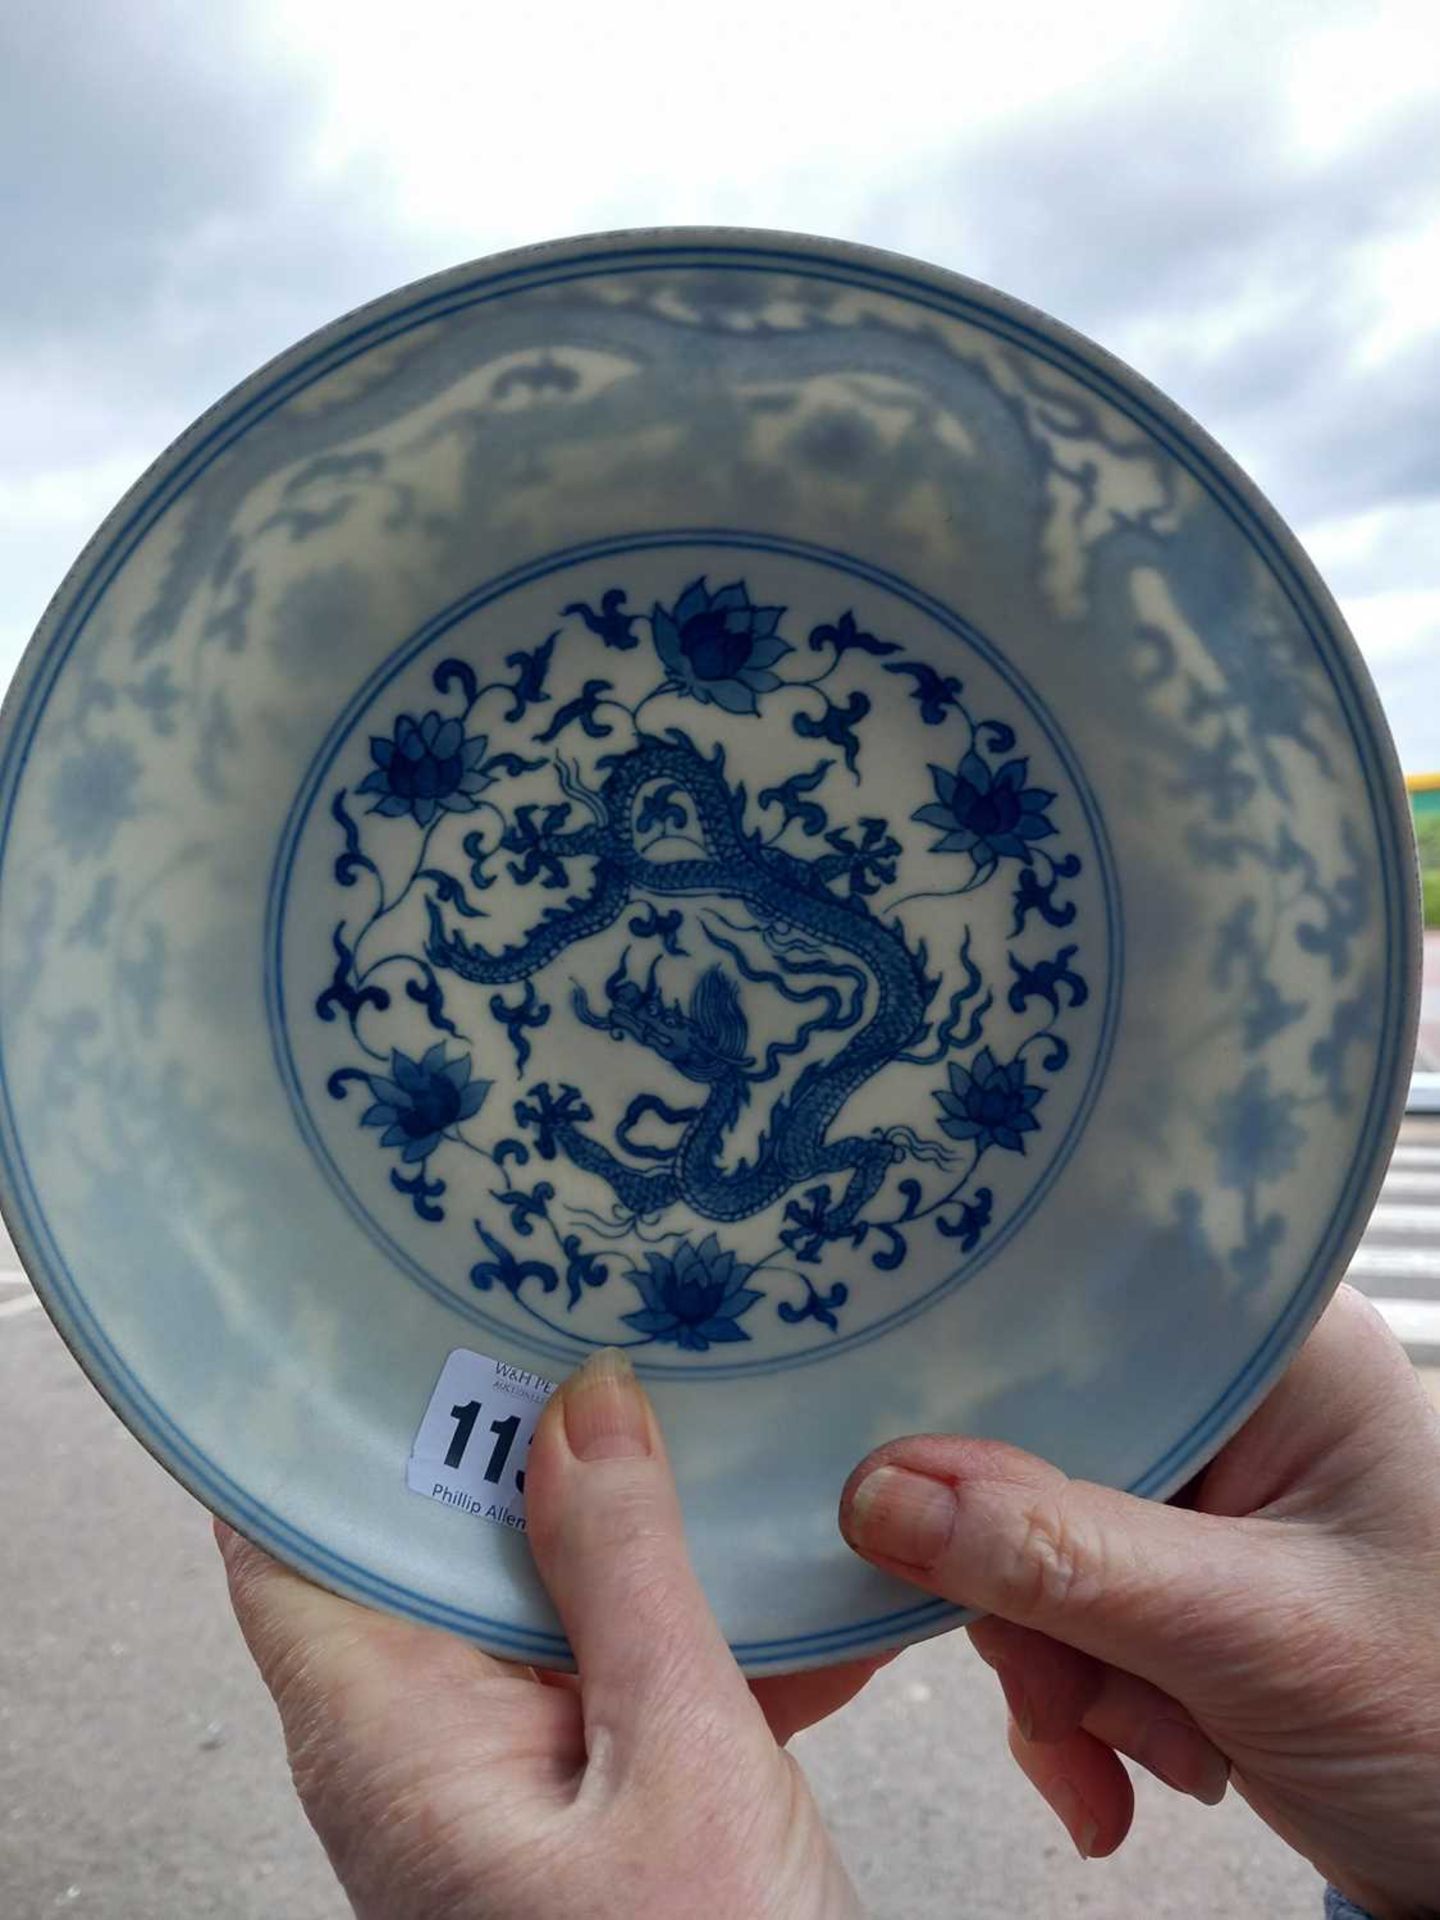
[{"x": 317, "y": 775}]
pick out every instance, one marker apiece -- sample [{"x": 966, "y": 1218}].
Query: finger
[
  {"x": 1048, "y": 1686},
  {"x": 1052, "y": 1691},
  {"x": 1137, "y": 1584},
  {"x": 567, "y": 1682},
  {"x": 791, "y": 1702},
  {"x": 604, "y": 1520},
  {"x": 1084, "y": 1784},
  {"x": 1151, "y": 1588}
]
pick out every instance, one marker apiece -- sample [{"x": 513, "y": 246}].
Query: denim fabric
[{"x": 1337, "y": 1907}]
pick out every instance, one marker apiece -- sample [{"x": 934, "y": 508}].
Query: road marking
[
  {"x": 1396, "y": 1263},
  {"x": 1420, "y": 1185},
  {"x": 1415, "y": 1323},
  {"x": 1408, "y": 1156},
  {"x": 1388, "y": 1219}
]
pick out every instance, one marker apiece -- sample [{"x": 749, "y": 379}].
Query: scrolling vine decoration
[{"x": 731, "y": 907}]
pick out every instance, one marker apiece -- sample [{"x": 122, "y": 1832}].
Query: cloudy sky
[{"x": 1242, "y": 200}]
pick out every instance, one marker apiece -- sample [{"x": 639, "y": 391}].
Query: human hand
[
  {"x": 1288, "y": 1626},
  {"x": 444, "y": 1783}
]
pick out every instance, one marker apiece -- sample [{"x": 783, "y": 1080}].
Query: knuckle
[{"x": 1054, "y": 1567}]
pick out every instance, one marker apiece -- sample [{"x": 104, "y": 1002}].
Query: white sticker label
[{"x": 471, "y": 1448}]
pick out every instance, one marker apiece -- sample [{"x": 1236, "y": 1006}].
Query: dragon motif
[
  {"x": 763, "y": 969},
  {"x": 790, "y": 901}
]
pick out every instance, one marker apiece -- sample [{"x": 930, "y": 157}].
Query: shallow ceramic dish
[{"x": 725, "y": 794}]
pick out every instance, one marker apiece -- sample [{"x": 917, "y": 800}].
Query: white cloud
[
  {"x": 1383, "y": 552},
  {"x": 1352, "y": 67},
  {"x": 510, "y": 124},
  {"x": 1395, "y": 626},
  {"x": 64, "y": 496},
  {"x": 1242, "y": 201}
]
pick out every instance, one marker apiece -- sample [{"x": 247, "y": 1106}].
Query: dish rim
[{"x": 1174, "y": 429}]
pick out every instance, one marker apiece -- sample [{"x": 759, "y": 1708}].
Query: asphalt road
[{"x": 141, "y": 1772}]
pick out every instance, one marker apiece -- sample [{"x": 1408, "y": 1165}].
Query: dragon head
[{"x": 706, "y": 1041}]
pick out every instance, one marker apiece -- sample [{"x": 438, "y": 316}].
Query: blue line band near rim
[{"x": 840, "y": 265}]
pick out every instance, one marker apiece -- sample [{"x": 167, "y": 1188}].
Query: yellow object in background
[{"x": 1425, "y": 805}]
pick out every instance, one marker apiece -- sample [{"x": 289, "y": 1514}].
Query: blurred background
[{"x": 1241, "y": 201}]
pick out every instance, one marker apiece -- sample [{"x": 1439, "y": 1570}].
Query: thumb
[
  {"x": 1146, "y": 1587},
  {"x": 604, "y": 1521}
]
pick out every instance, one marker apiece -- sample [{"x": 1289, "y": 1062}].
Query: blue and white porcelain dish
[{"x": 723, "y": 794}]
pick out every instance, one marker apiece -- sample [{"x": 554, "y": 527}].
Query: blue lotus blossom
[
  {"x": 717, "y": 647},
  {"x": 422, "y": 1099},
  {"x": 1254, "y": 1132},
  {"x": 693, "y": 1296},
  {"x": 989, "y": 1104},
  {"x": 427, "y": 766},
  {"x": 989, "y": 815}
]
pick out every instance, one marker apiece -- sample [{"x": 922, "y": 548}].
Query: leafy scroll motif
[
  {"x": 607, "y": 810},
  {"x": 1245, "y": 733},
  {"x": 1276, "y": 957},
  {"x": 1256, "y": 1138}
]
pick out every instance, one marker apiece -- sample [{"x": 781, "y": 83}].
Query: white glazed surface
[{"x": 441, "y": 477}]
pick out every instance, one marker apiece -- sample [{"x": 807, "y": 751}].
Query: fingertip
[
  {"x": 605, "y": 1412},
  {"x": 954, "y": 1460},
  {"x": 892, "y": 1453},
  {"x": 1085, "y": 1785},
  {"x": 598, "y": 1421}
]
